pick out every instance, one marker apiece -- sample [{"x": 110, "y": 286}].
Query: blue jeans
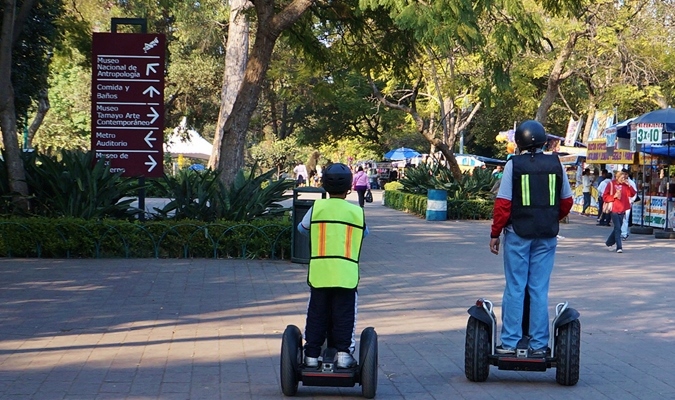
[
  {"x": 587, "y": 202},
  {"x": 528, "y": 264},
  {"x": 615, "y": 236}
]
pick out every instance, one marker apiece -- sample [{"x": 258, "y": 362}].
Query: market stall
[{"x": 653, "y": 132}]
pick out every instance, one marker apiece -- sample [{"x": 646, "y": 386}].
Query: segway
[
  {"x": 293, "y": 369},
  {"x": 481, "y": 338}
]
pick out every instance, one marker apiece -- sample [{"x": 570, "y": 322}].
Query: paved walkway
[{"x": 205, "y": 329}]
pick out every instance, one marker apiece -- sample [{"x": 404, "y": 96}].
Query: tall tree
[
  {"x": 236, "y": 56},
  {"x": 27, "y": 35},
  {"x": 270, "y": 25},
  {"x": 449, "y": 32}
]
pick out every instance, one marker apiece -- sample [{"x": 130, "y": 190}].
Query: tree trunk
[
  {"x": 589, "y": 120},
  {"x": 270, "y": 26},
  {"x": 43, "y": 108},
  {"x": 15, "y": 169},
  {"x": 235, "y": 65},
  {"x": 423, "y": 128},
  {"x": 556, "y": 77}
]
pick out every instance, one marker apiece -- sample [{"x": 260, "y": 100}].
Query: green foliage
[
  {"x": 457, "y": 209},
  {"x": 73, "y": 237},
  {"x": 282, "y": 154},
  {"x": 251, "y": 196},
  {"x": 73, "y": 185},
  {"x": 396, "y": 185},
  {"x": 343, "y": 149},
  {"x": 31, "y": 56},
  {"x": 67, "y": 125},
  {"x": 201, "y": 195},
  {"x": 474, "y": 185},
  {"x": 194, "y": 195}
]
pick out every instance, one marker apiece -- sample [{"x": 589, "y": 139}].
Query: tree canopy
[{"x": 378, "y": 72}]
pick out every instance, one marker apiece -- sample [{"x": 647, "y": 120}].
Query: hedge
[
  {"x": 457, "y": 209},
  {"x": 80, "y": 238}
]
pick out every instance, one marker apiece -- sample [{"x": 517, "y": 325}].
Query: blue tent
[
  {"x": 622, "y": 128},
  {"x": 660, "y": 149},
  {"x": 665, "y": 116}
]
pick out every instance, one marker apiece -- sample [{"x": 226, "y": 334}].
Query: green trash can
[{"x": 300, "y": 242}]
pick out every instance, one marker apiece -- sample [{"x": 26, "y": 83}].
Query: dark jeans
[
  {"x": 587, "y": 202},
  {"x": 615, "y": 236},
  {"x": 331, "y": 315},
  {"x": 361, "y": 191}
]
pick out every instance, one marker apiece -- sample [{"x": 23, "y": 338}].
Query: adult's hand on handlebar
[{"x": 494, "y": 245}]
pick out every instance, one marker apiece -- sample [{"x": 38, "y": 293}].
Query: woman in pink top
[
  {"x": 360, "y": 184},
  {"x": 618, "y": 192}
]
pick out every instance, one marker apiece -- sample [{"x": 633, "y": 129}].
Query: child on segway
[{"x": 336, "y": 229}]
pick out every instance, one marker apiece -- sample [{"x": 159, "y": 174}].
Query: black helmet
[
  {"x": 337, "y": 178},
  {"x": 530, "y": 135}
]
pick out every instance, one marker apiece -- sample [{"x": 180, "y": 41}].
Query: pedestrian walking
[
  {"x": 618, "y": 193},
  {"x": 301, "y": 175},
  {"x": 360, "y": 185},
  {"x": 586, "y": 184},
  {"x": 626, "y": 219},
  {"x": 604, "y": 218}
]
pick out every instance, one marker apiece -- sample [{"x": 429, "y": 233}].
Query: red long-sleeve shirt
[{"x": 622, "y": 203}]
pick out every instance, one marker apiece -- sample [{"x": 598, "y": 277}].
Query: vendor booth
[{"x": 653, "y": 133}]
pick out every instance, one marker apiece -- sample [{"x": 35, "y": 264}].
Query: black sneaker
[
  {"x": 543, "y": 352},
  {"x": 504, "y": 350}
]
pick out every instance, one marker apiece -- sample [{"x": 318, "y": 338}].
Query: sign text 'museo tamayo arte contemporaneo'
[{"x": 127, "y": 102}]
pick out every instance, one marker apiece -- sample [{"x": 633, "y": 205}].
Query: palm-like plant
[
  {"x": 201, "y": 195},
  {"x": 474, "y": 185},
  {"x": 74, "y": 185}
]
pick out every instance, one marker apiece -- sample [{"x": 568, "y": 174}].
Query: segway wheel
[
  {"x": 477, "y": 350},
  {"x": 291, "y": 358},
  {"x": 368, "y": 362},
  {"x": 567, "y": 348}
]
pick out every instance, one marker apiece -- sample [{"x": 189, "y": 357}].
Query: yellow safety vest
[{"x": 335, "y": 237}]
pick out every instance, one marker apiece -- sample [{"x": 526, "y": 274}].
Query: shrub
[
  {"x": 474, "y": 185},
  {"x": 74, "y": 185},
  {"x": 74, "y": 237},
  {"x": 457, "y": 209},
  {"x": 201, "y": 195}
]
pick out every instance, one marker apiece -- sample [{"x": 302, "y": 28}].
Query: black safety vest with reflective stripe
[{"x": 535, "y": 205}]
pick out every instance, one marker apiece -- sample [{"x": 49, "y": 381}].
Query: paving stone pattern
[{"x": 211, "y": 329}]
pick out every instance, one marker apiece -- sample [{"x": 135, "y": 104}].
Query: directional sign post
[{"x": 127, "y": 107}]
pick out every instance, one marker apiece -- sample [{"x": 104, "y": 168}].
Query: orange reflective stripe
[
  {"x": 322, "y": 239},
  {"x": 348, "y": 241}
]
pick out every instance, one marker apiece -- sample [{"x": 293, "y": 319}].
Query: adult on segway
[
  {"x": 534, "y": 196},
  {"x": 336, "y": 229}
]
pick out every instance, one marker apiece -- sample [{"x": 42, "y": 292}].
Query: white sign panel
[{"x": 649, "y": 133}]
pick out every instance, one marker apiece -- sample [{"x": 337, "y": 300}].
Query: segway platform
[
  {"x": 327, "y": 373},
  {"x": 293, "y": 369},
  {"x": 481, "y": 337}
]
